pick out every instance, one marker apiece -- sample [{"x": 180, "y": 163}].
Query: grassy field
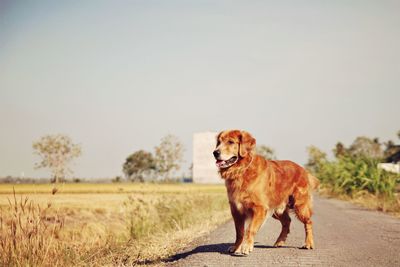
[
  {"x": 110, "y": 188},
  {"x": 104, "y": 224}
]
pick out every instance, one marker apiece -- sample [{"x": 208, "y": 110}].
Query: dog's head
[{"x": 233, "y": 145}]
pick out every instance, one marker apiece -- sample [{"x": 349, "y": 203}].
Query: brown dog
[{"x": 257, "y": 186}]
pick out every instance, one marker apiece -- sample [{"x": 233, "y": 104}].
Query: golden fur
[{"x": 257, "y": 186}]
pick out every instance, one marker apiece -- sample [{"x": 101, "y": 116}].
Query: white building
[
  {"x": 390, "y": 167},
  {"x": 204, "y": 169}
]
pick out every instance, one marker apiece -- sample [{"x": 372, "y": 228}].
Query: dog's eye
[{"x": 231, "y": 142}]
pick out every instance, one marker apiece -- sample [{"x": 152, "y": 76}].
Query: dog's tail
[{"x": 313, "y": 181}]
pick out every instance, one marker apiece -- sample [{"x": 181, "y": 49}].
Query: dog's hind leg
[
  {"x": 285, "y": 220},
  {"x": 303, "y": 212}
]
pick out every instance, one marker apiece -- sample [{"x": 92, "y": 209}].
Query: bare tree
[
  {"x": 168, "y": 155},
  {"x": 56, "y": 153}
]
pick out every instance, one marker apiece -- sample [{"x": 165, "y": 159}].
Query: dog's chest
[
  {"x": 237, "y": 202},
  {"x": 237, "y": 198}
]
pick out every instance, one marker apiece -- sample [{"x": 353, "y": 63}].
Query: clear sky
[{"x": 116, "y": 76}]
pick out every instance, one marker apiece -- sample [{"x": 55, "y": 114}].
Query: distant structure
[
  {"x": 390, "y": 167},
  {"x": 392, "y": 163},
  {"x": 204, "y": 169}
]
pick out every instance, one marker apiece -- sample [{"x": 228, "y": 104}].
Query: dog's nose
[{"x": 216, "y": 153}]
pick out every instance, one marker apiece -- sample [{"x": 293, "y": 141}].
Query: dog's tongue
[{"x": 219, "y": 163}]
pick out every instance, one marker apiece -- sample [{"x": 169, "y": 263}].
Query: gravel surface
[{"x": 344, "y": 235}]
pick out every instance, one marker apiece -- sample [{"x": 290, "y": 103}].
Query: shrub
[
  {"x": 169, "y": 212},
  {"x": 349, "y": 175}
]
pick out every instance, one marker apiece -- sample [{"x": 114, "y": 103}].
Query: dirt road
[{"x": 345, "y": 235}]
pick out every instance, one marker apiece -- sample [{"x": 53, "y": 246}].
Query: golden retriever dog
[{"x": 257, "y": 187}]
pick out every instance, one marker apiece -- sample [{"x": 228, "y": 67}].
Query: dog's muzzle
[{"x": 223, "y": 164}]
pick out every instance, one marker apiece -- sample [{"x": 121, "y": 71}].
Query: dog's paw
[
  {"x": 246, "y": 248},
  {"x": 308, "y": 246},
  {"x": 234, "y": 249},
  {"x": 279, "y": 244}
]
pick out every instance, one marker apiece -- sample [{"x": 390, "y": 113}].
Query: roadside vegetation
[
  {"x": 83, "y": 225},
  {"x": 354, "y": 174}
]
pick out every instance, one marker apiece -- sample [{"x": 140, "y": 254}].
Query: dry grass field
[{"x": 104, "y": 224}]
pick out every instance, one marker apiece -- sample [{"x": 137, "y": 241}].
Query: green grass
[
  {"x": 360, "y": 178},
  {"x": 349, "y": 175}
]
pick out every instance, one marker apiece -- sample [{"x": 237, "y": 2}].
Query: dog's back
[{"x": 286, "y": 178}]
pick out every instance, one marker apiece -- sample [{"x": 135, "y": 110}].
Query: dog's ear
[{"x": 247, "y": 144}]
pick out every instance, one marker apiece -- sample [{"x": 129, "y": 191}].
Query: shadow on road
[
  {"x": 221, "y": 248},
  {"x": 263, "y": 246}
]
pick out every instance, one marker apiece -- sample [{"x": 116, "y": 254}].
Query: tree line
[{"x": 57, "y": 152}]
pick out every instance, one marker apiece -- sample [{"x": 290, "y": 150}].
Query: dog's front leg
[
  {"x": 239, "y": 220},
  {"x": 257, "y": 218}
]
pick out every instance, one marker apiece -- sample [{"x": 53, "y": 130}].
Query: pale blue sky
[{"x": 116, "y": 76}]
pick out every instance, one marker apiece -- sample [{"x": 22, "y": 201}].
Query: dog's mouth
[{"x": 223, "y": 164}]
